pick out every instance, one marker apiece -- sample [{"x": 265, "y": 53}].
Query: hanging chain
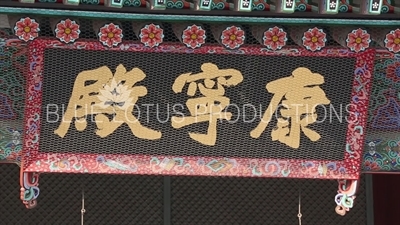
[
  {"x": 83, "y": 206},
  {"x": 299, "y": 215}
]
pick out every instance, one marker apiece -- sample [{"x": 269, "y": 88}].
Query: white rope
[
  {"x": 83, "y": 206},
  {"x": 299, "y": 215}
]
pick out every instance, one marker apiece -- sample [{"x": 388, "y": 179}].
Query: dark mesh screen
[
  {"x": 161, "y": 69},
  {"x": 211, "y": 200},
  {"x": 108, "y": 199},
  {"x": 195, "y": 200}
]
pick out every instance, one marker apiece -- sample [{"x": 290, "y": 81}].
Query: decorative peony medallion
[
  {"x": 392, "y": 41},
  {"x": 314, "y": 39},
  {"x": 358, "y": 40},
  {"x": 151, "y": 35},
  {"x": 67, "y": 31},
  {"x": 26, "y": 29},
  {"x": 233, "y": 37},
  {"x": 194, "y": 36},
  {"x": 275, "y": 38},
  {"x": 110, "y": 35}
]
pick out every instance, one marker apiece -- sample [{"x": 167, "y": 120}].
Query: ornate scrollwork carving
[
  {"x": 347, "y": 190},
  {"x": 29, "y": 189}
]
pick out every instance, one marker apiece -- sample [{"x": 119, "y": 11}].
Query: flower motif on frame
[
  {"x": 314, "y": 39},
  {"x": 26, "y": 29},
  {"x": 358, "y": 40},
  {"x": 392, "y": 41},
  {"x": 151, "y": 35},
  {"x": 67, "y": 31},
  {"x": 275, "y": 38},
  {"x": 233, "y": 37},
  {"x": 194, "y": 36},
  {"x": 110, "y": 35}
]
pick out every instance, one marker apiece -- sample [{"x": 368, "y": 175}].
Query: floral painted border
[
  {"x": 10, "y": 142},
  {"x": 382, "y": 144},
  {"x": 349, "y": 168},
  {"x": 13, "y": 58},
  {"x": 382, "y": 153}
]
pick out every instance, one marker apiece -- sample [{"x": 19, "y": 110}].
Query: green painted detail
[
  {"x": 163, "y": 17},
  {"x": 117, "y": 4},
  {"x": 132, "y": 3},
  {"x": 72, "y": 2}
]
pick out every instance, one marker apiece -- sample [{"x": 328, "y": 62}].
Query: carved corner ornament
[
  {"x": 29, "y": 188},
  {"x": 347, "y": 190}
]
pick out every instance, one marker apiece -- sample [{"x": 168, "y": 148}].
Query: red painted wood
[{"x": 386, "y": 191}]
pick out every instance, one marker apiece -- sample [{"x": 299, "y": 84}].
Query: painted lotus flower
[
  {"x": 358, "y": 40},
  {"x": 314, "y": 39},
  {"x": 151, "y": 35},
  {"x": 27, "y": 29},
  {"x": 67, "y": 31},
  {"x": 275, "y": 38},
  {"x": 233, "y": 37},
  {"x": 392, "y": 41},
  {"x": 115, "y": 94},
  {"x": 194, "y": 36},
  {"x": 110, "y": 35}
]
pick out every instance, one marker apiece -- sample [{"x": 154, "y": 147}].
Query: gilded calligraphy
[
  {"x": 211, "y": 104},
  {"x": 299, "y": 94},
  {"x": 107, "y": 95}
]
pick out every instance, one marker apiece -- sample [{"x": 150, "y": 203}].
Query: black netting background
[
  {"x": 108, "y": 199},
  {"x": 211, "y": 200},
  {"x": 195, "y": 200}
]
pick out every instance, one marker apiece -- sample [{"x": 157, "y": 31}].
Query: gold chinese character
[
  {"x": 208, "y": 107},
  {"x": 106, "y": 95},
  {"x": 300, "y": 94}
]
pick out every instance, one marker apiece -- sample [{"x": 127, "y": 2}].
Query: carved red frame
[{"x": 35, "y": 161}]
